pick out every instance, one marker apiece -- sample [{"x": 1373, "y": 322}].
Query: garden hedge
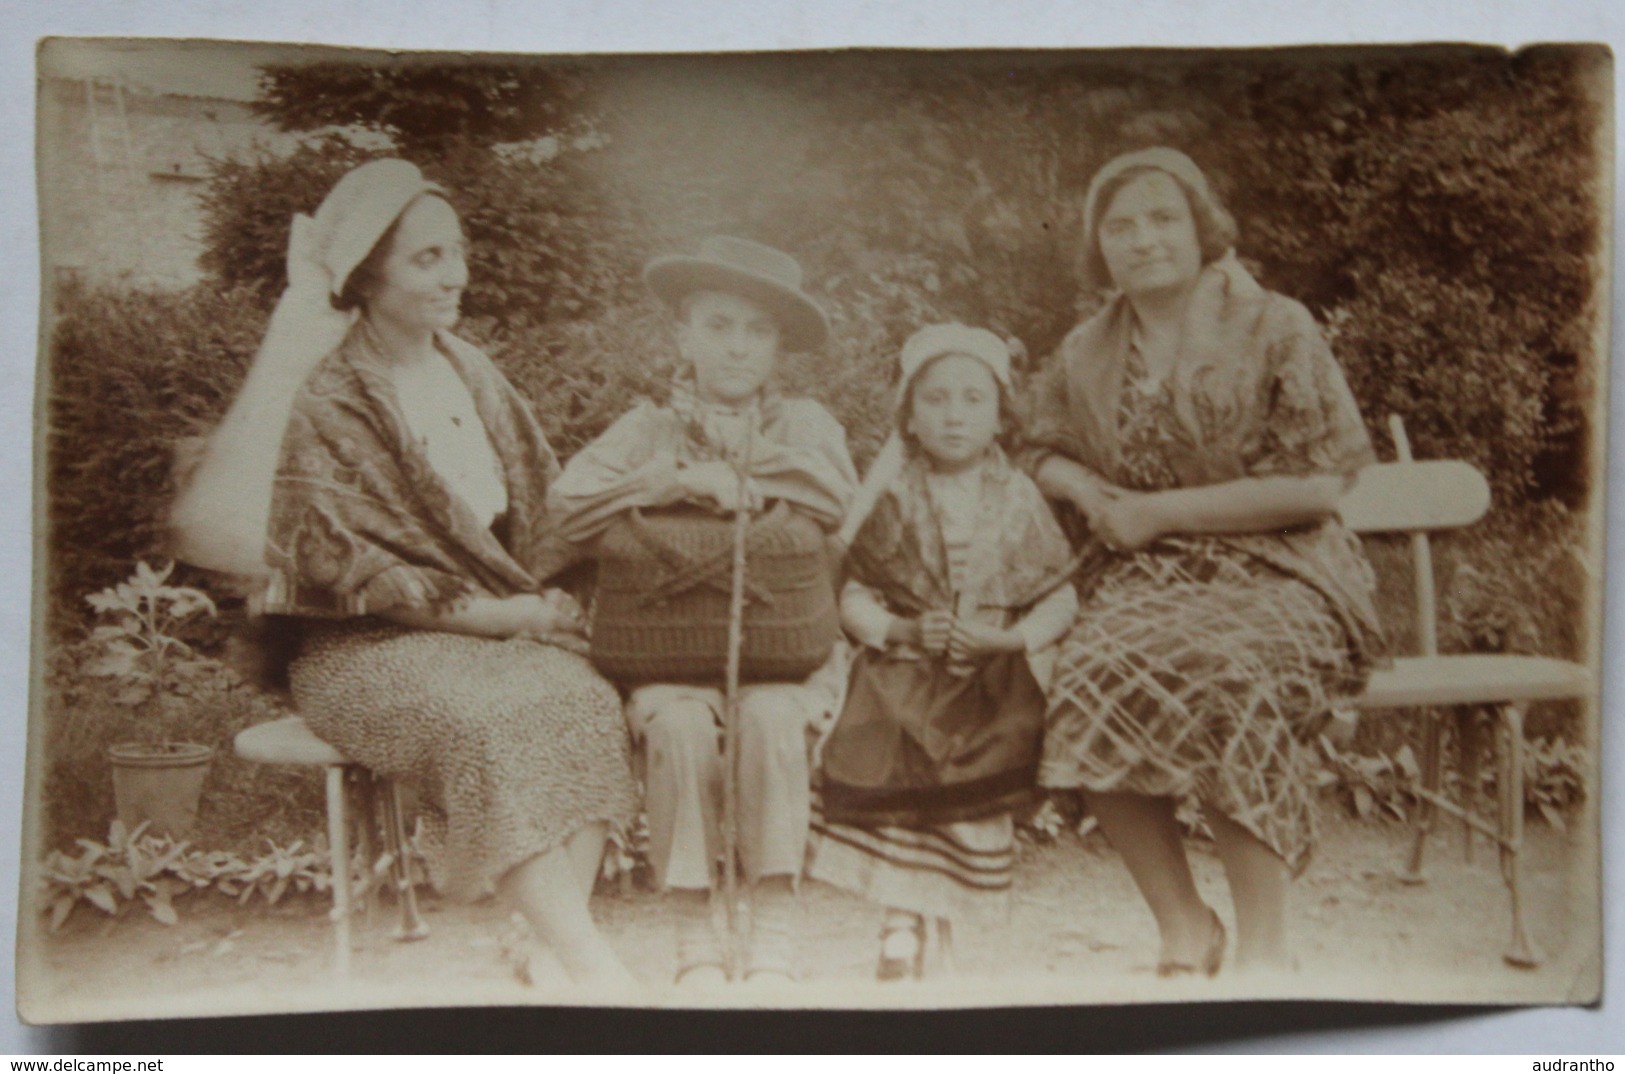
[{"x": 1438, "y": 212}]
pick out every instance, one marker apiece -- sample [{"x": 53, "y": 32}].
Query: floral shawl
[
  {"x": 360, "y": 520},
  {"x": 1018, "y": 554},
  {"x": 1256, "y": 391},
  {"x": 797, "y": 455}
]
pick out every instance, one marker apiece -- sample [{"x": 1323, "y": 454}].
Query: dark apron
[{"x": 918, "y": 745}]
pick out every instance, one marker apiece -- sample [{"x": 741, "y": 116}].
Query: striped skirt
[{"x": 957, "y": 870}]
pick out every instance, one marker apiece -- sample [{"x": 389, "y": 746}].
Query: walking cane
[{"x": 730, "y": 707}]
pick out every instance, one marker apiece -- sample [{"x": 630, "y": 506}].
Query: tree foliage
[
  {"x": 536, "y": 231},
  {"x": 134, "y": 376},
  {"x": 424, "y": 107},
  {"x": 1442, "y": 216},
  {"x": 1435, "y": 209}
]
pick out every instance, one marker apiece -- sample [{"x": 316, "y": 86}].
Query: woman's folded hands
[{"x": 548, "y": 616}]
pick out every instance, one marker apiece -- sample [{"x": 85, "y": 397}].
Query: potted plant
[{"x": 162, "y": 683}]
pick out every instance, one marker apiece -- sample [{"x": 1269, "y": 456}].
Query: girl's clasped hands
[{"x": 962, "y": 640}]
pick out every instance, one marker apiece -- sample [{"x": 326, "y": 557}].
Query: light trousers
[{"x": 679, "y": 732}]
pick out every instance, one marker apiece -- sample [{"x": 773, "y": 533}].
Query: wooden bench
[
  {"x": 289, "y": 741},
  {"x": 1415, "y": 498}
]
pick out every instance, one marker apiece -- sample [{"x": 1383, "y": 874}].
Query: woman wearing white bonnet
[{"x": 388, "y": 486}]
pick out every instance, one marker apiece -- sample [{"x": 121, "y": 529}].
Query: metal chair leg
[
  {"x": 412, "y": 926},
  {"x": 1521, "y": 952},
  {"x": 363, "y": 790},
  {"x": 1432, "y": 780},
  {"x": 339, "y": 853},
  {"x": 945, "y": 944},
  {"x": 1470, "y": 749}
]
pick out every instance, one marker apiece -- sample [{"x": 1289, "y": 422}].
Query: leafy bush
[
  {"x": 248, "y": 209},
  {"x": 544, "y": 242},
  {"x": 139, "y": 645},
  {"x": 1554, "y": 778},
  {"x": 134, "y": 376},
  {"x": 1380, "y": 785},
  {"x": 426, "y": 107},
  {"x": 129, "y": 866},
  {"x": 1519, "y": 582},
  {"x": 1436, "y": 212},
  {"x": 242, "y": 802},
  {"x": 133, "y": 866},
  {"x": 1440, "y": 213},
  {"x": 1370, "y": 785}
]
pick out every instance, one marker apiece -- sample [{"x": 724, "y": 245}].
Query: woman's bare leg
[
  {"x": 1259, "y": 883},
  {"x": 586, "y": 850},
  {"x": 547, "y": 891},
  {"x": 1145, "y": 833}
]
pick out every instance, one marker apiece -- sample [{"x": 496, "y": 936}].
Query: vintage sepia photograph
[{"x": 844, "y": 529}]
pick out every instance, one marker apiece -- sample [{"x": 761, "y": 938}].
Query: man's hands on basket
[{"x": 717, "y": 484}]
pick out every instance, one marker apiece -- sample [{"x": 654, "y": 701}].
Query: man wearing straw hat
[{"x": 738, "y": 305}]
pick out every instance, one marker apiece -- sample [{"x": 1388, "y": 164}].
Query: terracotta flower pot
[{"x": 159, "y": 784}]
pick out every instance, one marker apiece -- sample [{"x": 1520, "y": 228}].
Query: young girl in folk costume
[{"x": 955, "y": 584}]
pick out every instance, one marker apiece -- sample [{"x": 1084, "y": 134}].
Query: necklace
[{"x": 440, "y": 411}]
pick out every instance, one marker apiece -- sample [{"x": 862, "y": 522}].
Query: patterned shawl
[
  {"x": 360, "y": 520},
  {"x": 797, "y": 455},
  {"x": 1256, "y": 391},
  {"x": 1018, "y": 552}
]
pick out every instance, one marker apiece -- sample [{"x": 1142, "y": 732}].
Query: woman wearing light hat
[
  {"x": 737, "y": 304},
  {"x": 389, "y": 483},
  {"x": 1202, "y": 428},
  {"x": 956, "y": 587}
]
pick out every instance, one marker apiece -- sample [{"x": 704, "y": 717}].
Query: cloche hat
[
  {"x": 356, "y": 213},
  {"x": 1159, "y": 158}
]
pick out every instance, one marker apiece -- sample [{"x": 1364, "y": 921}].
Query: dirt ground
[{"x": 1076, "y": 932}]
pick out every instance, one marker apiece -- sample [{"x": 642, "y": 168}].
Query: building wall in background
[{"x": 120, "y": 174}]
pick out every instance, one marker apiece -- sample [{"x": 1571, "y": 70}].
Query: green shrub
[
  {"x": 544, "y": 243},
  {"x": 133, "y": 376},
  {"x": 1436, "y": 211},
  {"x": 242, "y": 802},
  {"x": 1440, "y": 212}
]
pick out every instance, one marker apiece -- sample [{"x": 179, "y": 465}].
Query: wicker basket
[{"x": 664, "y": 577}]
